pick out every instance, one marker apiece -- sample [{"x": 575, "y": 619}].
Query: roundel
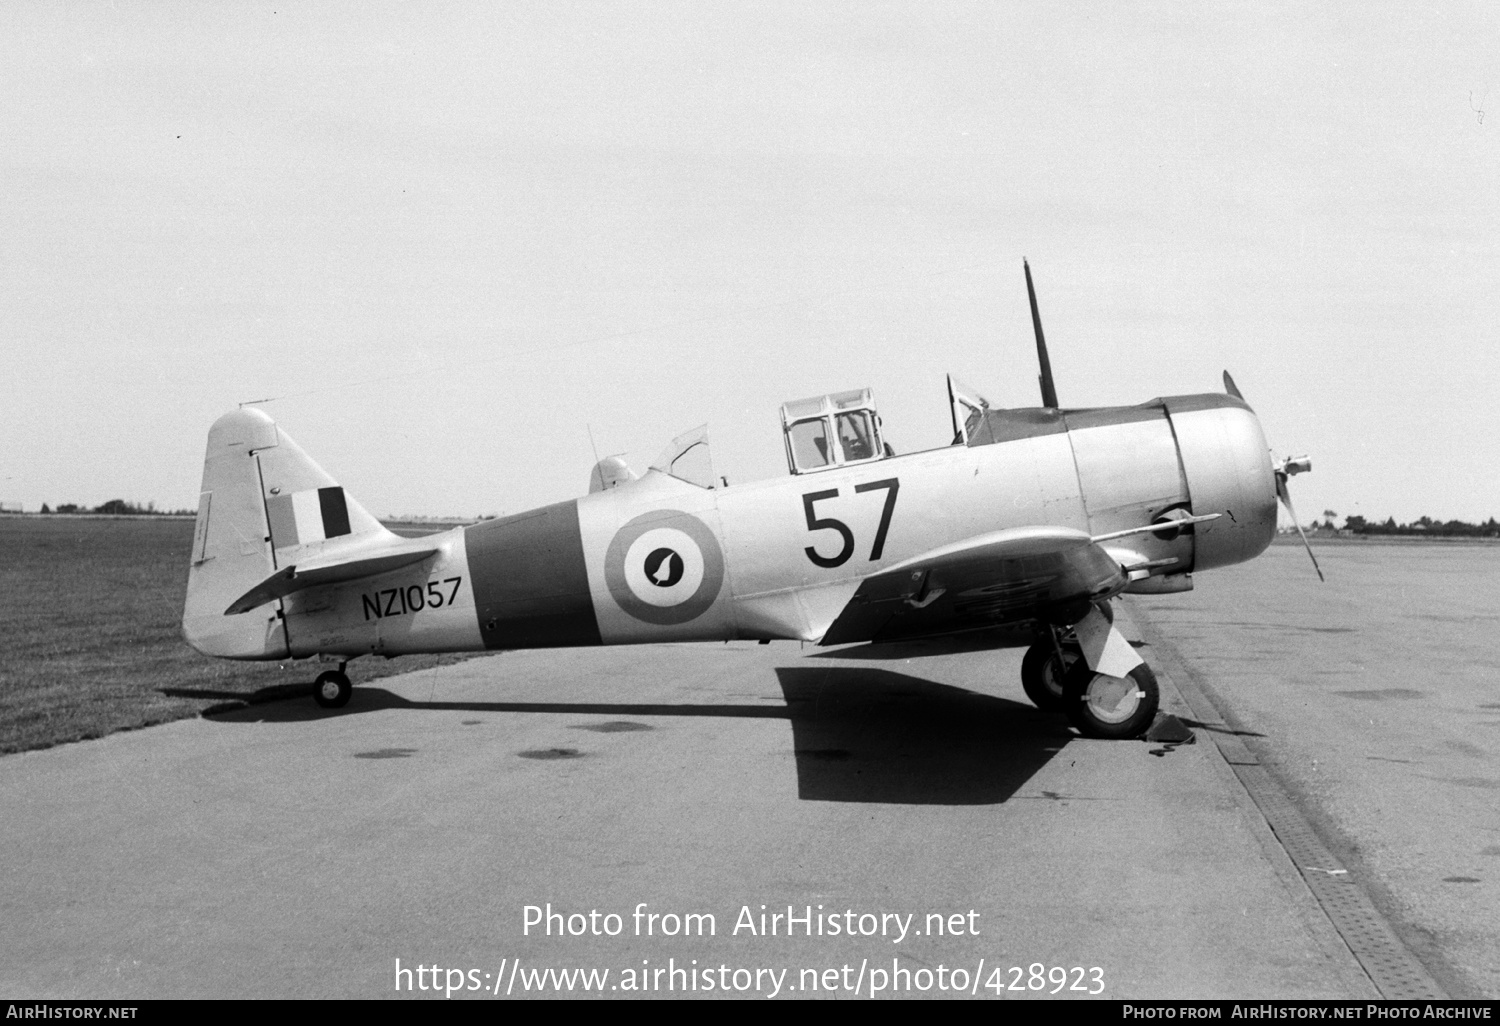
[{"x": 664, "y": 567}]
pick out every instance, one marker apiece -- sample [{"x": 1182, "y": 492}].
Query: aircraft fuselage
[{"x": 663, "y": 560}]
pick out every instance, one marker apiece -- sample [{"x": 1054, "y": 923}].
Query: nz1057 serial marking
[
  {"x": 411, "y": 599},
  {"x": 1024, "y": 529}
]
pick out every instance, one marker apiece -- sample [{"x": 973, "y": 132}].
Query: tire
[
  {"x": 332, "y": 690},
  {"x": 1113, "y": 708},
  {"x": 1043, "y": 677}
]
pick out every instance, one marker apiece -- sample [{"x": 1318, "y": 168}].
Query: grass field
[{"x": 90, "y": 642}]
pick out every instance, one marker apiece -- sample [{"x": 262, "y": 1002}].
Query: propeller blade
[
  {"x": 1049, "y": 393},
  {"x": 1285, "y": 495},
  {"x": 1283, "y": 469}
]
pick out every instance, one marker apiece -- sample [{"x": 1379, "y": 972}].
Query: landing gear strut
[
  {"x": 1045, "y": 665},
  {"x": 1057, "y": 676},
  {"x": 332, "y": 689}
]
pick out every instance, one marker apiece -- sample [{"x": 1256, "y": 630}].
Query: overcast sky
[{"x": 449, "y": 240}]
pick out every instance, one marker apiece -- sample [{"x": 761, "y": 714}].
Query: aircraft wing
[{"x": 1023, "y": 573}]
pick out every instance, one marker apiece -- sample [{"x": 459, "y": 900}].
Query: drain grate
[{"x": 1393, "y": 969}]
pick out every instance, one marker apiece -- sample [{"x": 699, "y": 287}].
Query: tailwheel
[
  {"x": 1108, "y": 707},
  {"x": 1044, "y": 668},
  {"x": 332, "y": 690}
]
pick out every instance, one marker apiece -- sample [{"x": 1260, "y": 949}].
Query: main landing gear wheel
[
  {"x": 1043, "y": 672},
  {"x": 332, "y": 690},
  {"x": 1114, "y": 708}
]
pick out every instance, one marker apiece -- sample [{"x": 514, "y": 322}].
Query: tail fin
[{"x": 264, "y": 505}]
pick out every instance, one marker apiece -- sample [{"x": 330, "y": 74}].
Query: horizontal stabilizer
[{"x": 311, "y": 575}]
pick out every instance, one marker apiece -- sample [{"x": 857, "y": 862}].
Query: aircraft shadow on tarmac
[
  {"x": 868, "y": 735},
  {"x": 858, "y": 734}
]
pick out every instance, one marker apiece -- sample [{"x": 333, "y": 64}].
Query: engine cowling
[{"x": 1227, "y": 465}]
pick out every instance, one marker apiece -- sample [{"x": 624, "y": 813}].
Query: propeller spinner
[{"x": 1284, "y": 469}]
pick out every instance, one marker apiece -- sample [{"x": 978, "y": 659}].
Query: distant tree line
[
  {"x": 1421, "y": 527},
  {"x": 118, "y": 507}
]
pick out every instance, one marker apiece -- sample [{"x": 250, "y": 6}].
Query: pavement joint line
[{"x": 1394, "y": 971}]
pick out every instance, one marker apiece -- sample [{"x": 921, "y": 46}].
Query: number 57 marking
[{"x": 817, "y": 523}]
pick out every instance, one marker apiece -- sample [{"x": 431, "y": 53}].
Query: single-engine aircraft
[{"x": 1030, "y": 522}]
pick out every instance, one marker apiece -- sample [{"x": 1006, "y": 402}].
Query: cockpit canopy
[
  {"x": 687, "y": 458},
  {"x": 832, "y": 431}
]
